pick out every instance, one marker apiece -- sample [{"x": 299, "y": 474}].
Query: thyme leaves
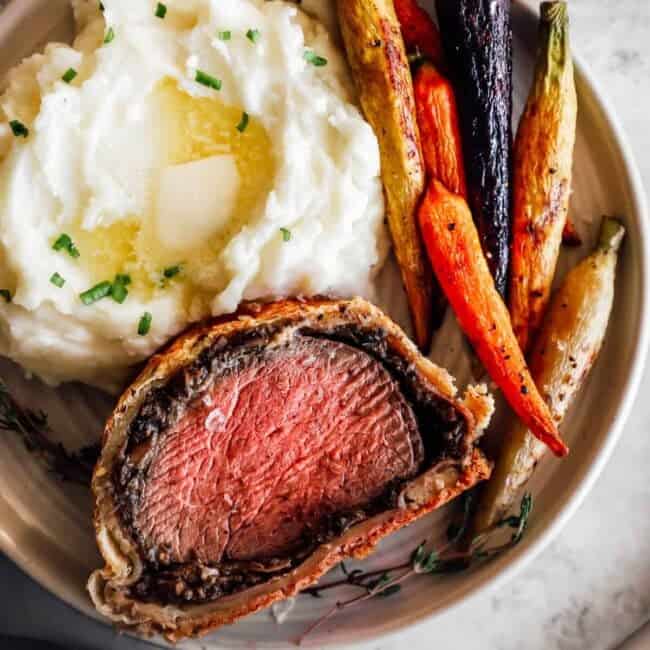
[
  {"x": 34, "y": 429},
  {"x": 426, "y": 560}
]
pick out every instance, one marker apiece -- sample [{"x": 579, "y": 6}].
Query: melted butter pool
[{"x": 186, "y": 129}]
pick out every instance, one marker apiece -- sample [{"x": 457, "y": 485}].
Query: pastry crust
[{"x": 109, "y": 587}]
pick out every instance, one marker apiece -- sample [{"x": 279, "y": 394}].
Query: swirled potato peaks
[{"x": 155, "y": 172}]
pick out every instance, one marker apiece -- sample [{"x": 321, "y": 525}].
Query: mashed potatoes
[{"x": 184, "y": 163}]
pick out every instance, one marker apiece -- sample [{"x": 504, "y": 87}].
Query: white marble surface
[{"x": 591, "y": 588}]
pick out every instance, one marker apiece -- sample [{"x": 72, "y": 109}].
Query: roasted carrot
[
  {"x": 564, "y": 353},
  {"x": 375, "y": 51},
  {"x": 442, "y": 150},
  {"x": 439, "y": 129},
  {"x": 454, "y": 248},
  {"x": 418, "y": 30},
  {"x": 542, "y": 174}
]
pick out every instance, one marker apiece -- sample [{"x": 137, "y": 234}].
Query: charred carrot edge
[
  {"x": 455, "y": 252},
  {"x": 375, "y": 51},
  {"x": 564, "y": 353},
  {"x": 419, "y": 31},
  {"x": 437, "y": 112},
  {"x": 570, "y": 235},
  {"x": 543, "y": 159}
]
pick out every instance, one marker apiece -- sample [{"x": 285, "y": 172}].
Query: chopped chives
[
  {"x": 69, "y": 75},
  {"x": 241, "y": 127},
  {"x": 119, "y": 293},
  {"x": 172, "y": 271},
  {"x": 57, "y": 280},
  {"x": 253, "y": 35},
  {"x": 64, "y": 242},
  {"x": 207, "y": 80},
  {"x": 19, "y": 129},
  {"x": 225, "y": 35},
  {"x": 110, "y": 35},
  {"x": 286, "y": 234},
  {"x": 99, "y": 291},
  {"x": 145, "y": 324},
  {"x": 161, "y": 10},
  {"x": 6, "y": 294},
  {"x": 314, "y": 59}
]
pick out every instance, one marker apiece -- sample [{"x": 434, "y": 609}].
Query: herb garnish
[
  {"x": 172, "y": 271},
  {"x": 145, "y": 324},
  {"x": 35, "y": 431},
  {"x": 253, "y": 35},
  {"x": 169, "y": 273},
  {"x": 241, "y": 127},
  {"x": 110, "y": 35},
  {"x": 225, "y": 35},
  {"x": 116, "y": 290},
  {"x": 314, "y": 59},
  {"x": 119, "y": 292},
  {"x": 444, "y": 560},
  {"x": 99, "y": 291},
  {"x": 19, "y": 129},
  {"x": 207, "y": 80},
  {"x": 64, "y": 242},
  {"x": 57, "y": 280},
  {"x": 69, "y": 75},
  {"x": 286, "y": 234},
  {"x": 6, "y": 294},
  {"x": 161, "y": 10}
]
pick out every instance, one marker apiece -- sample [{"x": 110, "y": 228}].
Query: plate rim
[{"x": 504, "y": 569}]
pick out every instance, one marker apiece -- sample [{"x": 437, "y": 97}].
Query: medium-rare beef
[
  {"x": 278, "y": 443},
  {"x": 259, "y": 450}
]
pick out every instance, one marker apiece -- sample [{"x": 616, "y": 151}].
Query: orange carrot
[
  {"x": 439, "y": 129},
  {"x": 542, "y": 175},
  {"x": 418, "y": 30},
  {"x": 442, "y": 150},
  {"x": 456, "y": 255}
]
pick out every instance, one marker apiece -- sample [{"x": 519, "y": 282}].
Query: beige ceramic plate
[{"x": 46, "y": 526}]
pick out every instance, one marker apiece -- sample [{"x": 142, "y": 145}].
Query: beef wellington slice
[{"x": 259, "y": 450}]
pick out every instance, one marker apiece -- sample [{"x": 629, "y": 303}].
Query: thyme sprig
[
  {"x": 34, "y": 429},
  {"x": 426, "y": 560}
]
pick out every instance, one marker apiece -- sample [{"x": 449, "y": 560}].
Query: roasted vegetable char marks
[
  {"x": 543, "y": 161},
  {"x": 377, "y": 58},
  {"x": 561, "y": 360}
]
